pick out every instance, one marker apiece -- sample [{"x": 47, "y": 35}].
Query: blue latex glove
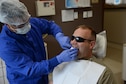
[
  {"x": 67, "y": 55},
  {"x": 64, "y": 41}
]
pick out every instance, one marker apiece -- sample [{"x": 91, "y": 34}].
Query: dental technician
[{"x": 22, "y": 47}]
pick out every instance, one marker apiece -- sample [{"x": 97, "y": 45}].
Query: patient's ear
[{"x": 92, "y": 44}]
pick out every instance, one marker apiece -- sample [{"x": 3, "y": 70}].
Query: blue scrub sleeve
[
  {"x": 46, "y": 27},
  {"x": 20, "y": 63}
]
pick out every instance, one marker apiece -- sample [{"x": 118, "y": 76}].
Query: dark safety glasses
[
  {"x": 79, "y": 39},
  {"x": 21, "y": 25}
]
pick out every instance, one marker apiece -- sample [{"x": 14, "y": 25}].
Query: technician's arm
[
  {"x": 51, "y": 28},
  {"x": 19, "y": 62}
]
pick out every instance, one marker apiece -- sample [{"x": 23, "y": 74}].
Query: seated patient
[{"x": 86, "y": 69}]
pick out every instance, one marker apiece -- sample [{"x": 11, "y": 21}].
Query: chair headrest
[{"x": 101, "y": 45}]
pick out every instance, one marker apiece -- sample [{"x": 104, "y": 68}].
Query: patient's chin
[{"x": 78, "y": 56}]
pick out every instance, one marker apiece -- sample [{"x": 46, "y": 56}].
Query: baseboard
[{"x": 115, "y": 45}]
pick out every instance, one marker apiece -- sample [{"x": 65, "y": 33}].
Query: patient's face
[{"x": 84, "y": 47}]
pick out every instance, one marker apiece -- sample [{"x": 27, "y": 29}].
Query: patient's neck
[{"x": 82, "y": 57}]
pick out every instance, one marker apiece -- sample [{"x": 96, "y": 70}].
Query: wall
[
  {"x": 68, "y": 27},
  {"x": 114, "y": 24},
  {"x": 3, "y": 79}
]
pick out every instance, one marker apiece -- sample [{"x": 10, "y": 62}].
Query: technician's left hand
[{"x": 64, "y": 41}]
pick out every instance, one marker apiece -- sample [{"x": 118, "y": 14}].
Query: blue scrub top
[{"x": 25, "y": 56}]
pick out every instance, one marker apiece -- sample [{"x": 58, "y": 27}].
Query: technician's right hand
[{"x": 67, "y": 55}]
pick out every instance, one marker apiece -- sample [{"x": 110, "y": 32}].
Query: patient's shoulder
[{"x": 107, "y": 77}]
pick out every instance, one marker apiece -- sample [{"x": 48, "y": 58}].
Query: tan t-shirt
[{"x": 105, "y": 74}]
